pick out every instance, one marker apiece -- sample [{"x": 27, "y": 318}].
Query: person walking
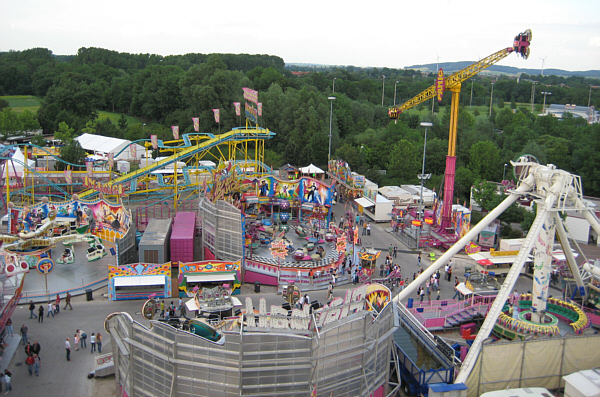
[
  {"x": 76, "y": 340},
  {"x": 93, "y": 343},
  {"x": 37, "y": 364},
  {"x": 68, "y": 301},
  {"x": 28, "y": 349},
  {"x": 41, "y": 314},
  {"x": 9, "y": 328},
  {"x": 50, "y": 310},
  {"x": 31, "y": 309},
  {"x": 24, "y": 330},
  {"x": 29, "y": 361},
  {"x": 450, "y": 273},
  {"x": 99, "y": 342},
  {"x": 57, "y": 304},
  {"x": 6, "y": 380},
  {"x": 36, "y": 348},
  {"x": 368, "y": 229},
  {"x": 68, "y": 348},
  {"x": 83, "y": 338}
]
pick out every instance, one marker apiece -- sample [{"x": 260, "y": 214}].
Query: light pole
[
  {"x": 423, "y": 177},
  {"x": 382, "y": 89},
  {"x": 544, "y": 94},
  {"x": 471, "y": 101},
  {"x": 533, "y": 94},
  {"x": 334, "y": 85},
  {"x": 395, "y": 84},
  {"x": 437, "y": 62},
  {"x": 504, "y": 172},
  {"x": 590, "y": 96},
  {"x": 543, "y": 60},
  {"x": 331, "y": 98},
  {"x": 491, "y": 99}
]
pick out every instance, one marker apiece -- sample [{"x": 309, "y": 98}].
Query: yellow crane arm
[{"x": 451, "y": 81}]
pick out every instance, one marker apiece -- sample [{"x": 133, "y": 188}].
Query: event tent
[{"x": 99, "y": 144}]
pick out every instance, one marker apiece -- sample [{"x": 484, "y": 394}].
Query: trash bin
[
  {"x": 410, "y": 303},
  {"x": 256, "y": 286},
  {"x": 88, "y": 294}
]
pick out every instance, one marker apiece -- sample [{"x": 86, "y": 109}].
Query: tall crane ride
[{"x": 453, "y": 83}]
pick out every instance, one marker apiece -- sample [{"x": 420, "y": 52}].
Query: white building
[
  {"x": 589, "y": 113},
  {"x": 103, "y": 145}
]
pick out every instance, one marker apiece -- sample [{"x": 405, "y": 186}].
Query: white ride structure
[{"x": 554, "y": 191}]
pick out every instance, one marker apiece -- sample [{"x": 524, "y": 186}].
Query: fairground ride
[
  {"x": 554, "y": 191},
  {"x": 162, "y": 180},
  {"x": 453, "y": 83}
]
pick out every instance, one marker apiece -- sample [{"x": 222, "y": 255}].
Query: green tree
[
  {"x": 485, "y": 160},
  {"x": 122, "y": 123},
  {"x": 486, "y": 195},
  {"x": 72, "y": 153},
  {"x": 64, "y": 133},
  {"x": 9, "y": 123}
]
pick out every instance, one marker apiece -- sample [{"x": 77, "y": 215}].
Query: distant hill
[{"x": 450, "y": 67}]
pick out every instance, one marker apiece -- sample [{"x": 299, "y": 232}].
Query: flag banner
[
  {"x": 68, "y": 177},
  {"x": 175, "y": 129},
  {"x": 196, "y": 121},
  {"x": 111, "y": 159},
  {"x": 89, "y": 168},
  {"x": 154, "y": 140},
  {"x": 250, "y": 95},
  {"x": 440, "y": 85},
  {"x": 238, "y": 108},
  {"x": 132, "y": 150},
  {"x": 259, "y": 107},
  {"x": 217, "y": 115},
  {"x": 251, "y": 112}
]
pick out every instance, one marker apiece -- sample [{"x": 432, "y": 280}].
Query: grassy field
[{"x": 19, "y": 103}]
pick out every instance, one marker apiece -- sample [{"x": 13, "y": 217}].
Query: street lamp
[
  {"x": 422, "y": 176},
  {"x": 533, "y": 94},
  {"x": 331, "y": 98},
  {"x": 590, "y": 96},
  {"x": 491, "y": 99},
  {"x": 334, "y": 84},
  {"x": 382, "y": 89},
  {"x": 544, "y": 93},
  {"x": 504, "y": 171},
  {"x": 395, "y": 84}
]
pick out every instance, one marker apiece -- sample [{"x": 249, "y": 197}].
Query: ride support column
[{"x": 451, "y": 160}]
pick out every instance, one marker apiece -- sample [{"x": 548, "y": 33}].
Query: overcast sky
[{"x": 392, "y": 34}]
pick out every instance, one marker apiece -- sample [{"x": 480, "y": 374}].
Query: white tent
[
  {"x": 311, "y": 169},
  {"x": 103, "y": 145},
  {"x": 15, "y": 168}
]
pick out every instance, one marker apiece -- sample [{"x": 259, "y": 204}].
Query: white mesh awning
[
  {"x": 134, "y": 281},
  {"x": 209, "y": 277}
]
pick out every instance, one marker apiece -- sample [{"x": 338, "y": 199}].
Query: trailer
[
  {"x": 420, "y": 359},
  {"x": 182, "y": 237}
]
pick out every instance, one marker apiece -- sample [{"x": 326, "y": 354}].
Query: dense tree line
[{"x": 163, "y": 91}]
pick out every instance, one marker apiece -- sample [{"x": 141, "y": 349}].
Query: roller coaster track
[{"x": 188, "y": 150}]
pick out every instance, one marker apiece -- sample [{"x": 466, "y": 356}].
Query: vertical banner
[
  {"x": 69, "y": 177},
  {"x": 90, "y": 170},
  {"x": 542, "y": 267},
  {"x": 250, "y": 95},
  {"x": 111, "y": 159},
  {"x": 440, "y": 85},
  {"x": 154, "y": 140},
  {"x": 237, "y": 106},
  {"x": 132, "y": 151},
  {"x": 217, "y": 115},
  {"x": 259, "y": 107},
  {"x": 175, "y": 129},
  {"x": 196, "y": 121}
]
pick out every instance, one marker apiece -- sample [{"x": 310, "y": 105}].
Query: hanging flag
[
  {"x": 259, "y": 105},
  {"x": 175, "y": 129},
  {"x": 90, "y": 170},
  {"x": 237, "y": 106},
  {"x": 111, "y": 159},
  {"x": 196, "y": 121},
  {"x": 250, "y": 94},
  {"x": 132, "y": 150},
  {"x": 68, "y": 177},
  {"x": 154, "y": 140},
  {"x": 217, "y": 115}
]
